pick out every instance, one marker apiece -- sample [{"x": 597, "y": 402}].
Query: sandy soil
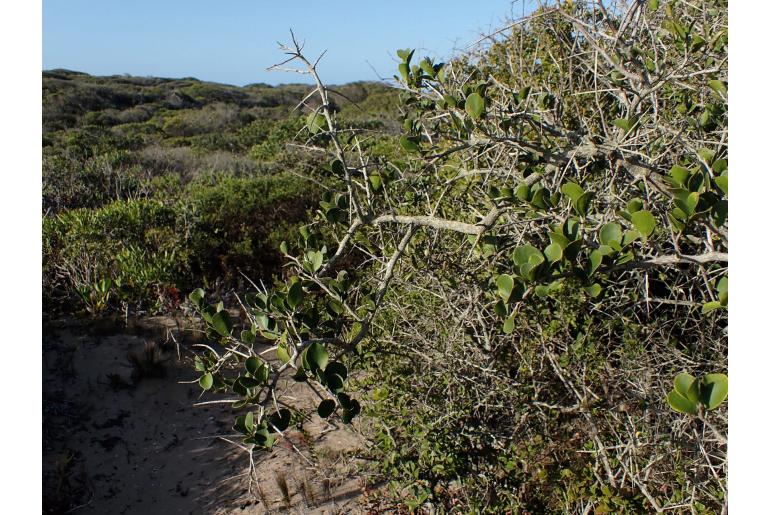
[{"x": 114, "y": 443}]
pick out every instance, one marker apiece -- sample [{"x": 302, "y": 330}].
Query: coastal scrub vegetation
[{"x": 509, "y": 273}]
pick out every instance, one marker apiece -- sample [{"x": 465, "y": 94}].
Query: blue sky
[{"x": 234, "y": 41}]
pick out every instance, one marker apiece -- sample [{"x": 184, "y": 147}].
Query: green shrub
[{"x": 543, "y": 255}]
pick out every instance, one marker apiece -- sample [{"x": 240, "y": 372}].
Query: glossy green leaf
[
  {"x": 524, "y": 254},
  {"x": 508, "y": 325},
  {"x": 679, "y": 175},
  {"x": 248, "y": 337},
  {"x": 335, "y": 367},
  {"x": 711, "y": 306},
  {"x": 316, "y": 356},
  {"x": 282, "y": 354},
  {"x": 721, "y": 182},
  {"x": 248, "y": 421},
  {"x": 376, "y": 181},
  {"x": 634, "y": 205},
  {"x": 594, "y": 261},
  {"x": 349, "y": 413},
  {"x": 593, "y": 290},
  {"x": 522, "y": 192},
  {"x": 718, "y": 87},
  {"x": 253, "y": 364}
]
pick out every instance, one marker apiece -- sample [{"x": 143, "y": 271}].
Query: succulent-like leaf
[
  {"x": 508, "y": 325},
  {"x": 316, "y": 356},
  {"x": 594, "y": 261},
  {"x": 350, "y": 412},
  {"x": 505, "y": 284},
  {"x": 644, "y": 222},
  {"x": 681, "y": 404},
  {"x": 721, "y": 182},
  {"x": 573, "y": 191},
  {"x": 610, "y": 232},
  {"x": 335, "y": 367},
  {"x": 409, "y": 144},
  {"x": 553, "y": 252},
  {"x": 713, "y": 390},
  {"x": 282, "y": 354},
  {"x": 594, "y": 290},
  {"x": 253, "y": 364},
  {"x": 206, "y": 381},
  {"x": 523, "y": 254},
  {"x": 221, "y": 323},
  {"x": 682, "y": 384}
]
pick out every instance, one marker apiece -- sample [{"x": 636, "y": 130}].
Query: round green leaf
[
  {"x": 572, "y": 190},
  {"x": 683, "y": 383},
  {"x": 196, "y": 296},
  {"x": 335, "y": 383},
  {"x": 282, "y": 354},
  {"x": 644, "y": 222},
  {"x": 610, "y": 232},
  {"x": 474, "y": 105},
  {"x": 316, "y": 356},
  {"x": 721, "y": 182},
  {"x": 253, "y": 364},
  {"x": 594, "y": 261},
  {"x": 206, "y": 381},
  {"x": 349, "y": 413},
  {"x": 713, "y": 390},
  {"x": 681, "y": 404}
]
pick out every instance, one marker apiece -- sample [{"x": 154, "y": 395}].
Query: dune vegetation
[{"x": 506, "y": 272}]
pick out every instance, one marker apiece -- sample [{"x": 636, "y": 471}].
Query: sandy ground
[{"x": 117, "y": 444}]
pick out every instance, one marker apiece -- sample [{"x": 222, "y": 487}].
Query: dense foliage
[
  {"x": 152, "y": 186},
  {"x": 528, "y": 298}
]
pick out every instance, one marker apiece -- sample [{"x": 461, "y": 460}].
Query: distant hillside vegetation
[{"x": 164, "y": 182}]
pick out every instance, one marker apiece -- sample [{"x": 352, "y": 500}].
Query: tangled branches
[{"x": 522, "y": 281}]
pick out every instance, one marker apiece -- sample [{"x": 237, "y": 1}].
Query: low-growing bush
[{"x": 216, "y": 227}]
